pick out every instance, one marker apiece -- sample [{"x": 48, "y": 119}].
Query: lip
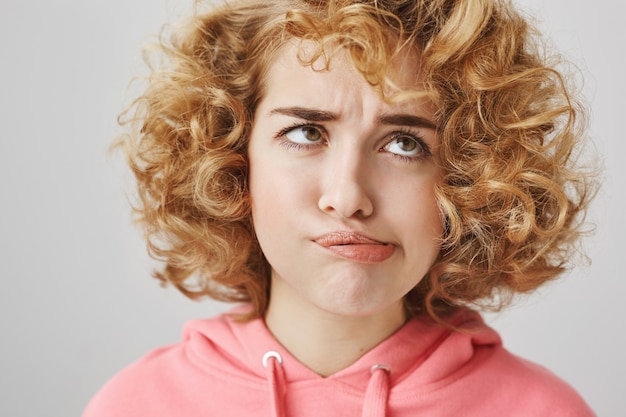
[{"x": 356, "y": 247}]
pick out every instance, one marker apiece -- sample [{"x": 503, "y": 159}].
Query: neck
[{"x": 323, "y": 341}]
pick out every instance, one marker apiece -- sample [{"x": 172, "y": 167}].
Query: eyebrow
[
  {"x": 406, "y": 120},
  {"x": 314, "y": 115}
]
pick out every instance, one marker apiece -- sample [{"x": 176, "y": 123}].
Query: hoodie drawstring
[
  {"x": 273, "y": 363},
  {"x": 377, "y": 392}
]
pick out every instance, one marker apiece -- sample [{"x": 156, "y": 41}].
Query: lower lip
[{"x": 363, "y": 253}]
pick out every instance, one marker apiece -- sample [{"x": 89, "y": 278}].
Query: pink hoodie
[{"x": 226, "y": 368}]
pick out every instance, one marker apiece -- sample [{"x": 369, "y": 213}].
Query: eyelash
[
  {"x": 425, "y": 153},
  {"x": 290, "y": 145},
  {"x": 281, "y": 135}
]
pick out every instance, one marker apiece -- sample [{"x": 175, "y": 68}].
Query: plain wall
[{"x": 77, "y": 302}]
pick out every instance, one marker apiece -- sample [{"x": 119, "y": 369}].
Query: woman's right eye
[{"x": 304, "y": 135}]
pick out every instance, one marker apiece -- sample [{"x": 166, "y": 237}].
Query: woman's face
[{"x": 342, "y": 187}]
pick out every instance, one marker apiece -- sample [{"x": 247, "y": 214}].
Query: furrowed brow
[
  {"x": 311, "y": 115},
  {"x": 407, "y": 120}
]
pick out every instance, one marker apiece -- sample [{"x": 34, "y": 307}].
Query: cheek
[
  {"x": 261, "y": 200},
  {"x": 277, "y": 211},
  {"x": 277, "y": 198},
  {"x": 418, "y": 217}
]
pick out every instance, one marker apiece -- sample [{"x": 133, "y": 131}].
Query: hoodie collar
[
  {"x": 243, "y": 345},
  {"x": 419, "y": 353}
]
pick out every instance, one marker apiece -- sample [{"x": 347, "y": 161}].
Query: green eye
[
  {"x": 405, "y": 145},
  {"x": 304, "y": 135}
]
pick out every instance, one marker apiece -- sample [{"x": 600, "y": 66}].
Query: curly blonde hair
[{"x": 513, "y": 197}]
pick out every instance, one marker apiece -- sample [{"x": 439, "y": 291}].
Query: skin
[{"x": 342, "y": 191}]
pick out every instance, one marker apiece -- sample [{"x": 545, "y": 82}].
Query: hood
[
  {"x": 228, "y": 368},
  {"x": 419, "y": 357}
]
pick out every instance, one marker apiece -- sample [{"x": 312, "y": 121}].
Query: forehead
[{"x": 334, "y": 73}]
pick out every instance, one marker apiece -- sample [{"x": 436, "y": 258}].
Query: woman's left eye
[{"x": 407, "y": 145}]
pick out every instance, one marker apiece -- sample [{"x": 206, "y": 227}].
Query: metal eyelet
[
  {"x": 272, "y": 354},
  {"x": 380, "y": 366}
]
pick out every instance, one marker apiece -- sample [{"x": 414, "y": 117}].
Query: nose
[{"x": 345, "y": 186}]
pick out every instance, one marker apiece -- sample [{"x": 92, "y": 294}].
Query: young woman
[{"x": 360, "y": 176}]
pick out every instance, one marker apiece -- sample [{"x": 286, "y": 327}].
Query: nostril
[{"x": 346, "y": 201}]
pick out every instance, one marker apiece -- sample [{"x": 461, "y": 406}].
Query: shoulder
[
  {"x": 134, "y": 390},
  {"x": 474, "y": 375},
  {"x": 158, "y": 383},
  {"x": 531, "y": 388}
]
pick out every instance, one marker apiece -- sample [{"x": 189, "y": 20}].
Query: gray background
[{"x": 76, "y": 299}]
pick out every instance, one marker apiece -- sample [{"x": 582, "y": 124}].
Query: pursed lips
[{"x": 356, "y": 247}]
